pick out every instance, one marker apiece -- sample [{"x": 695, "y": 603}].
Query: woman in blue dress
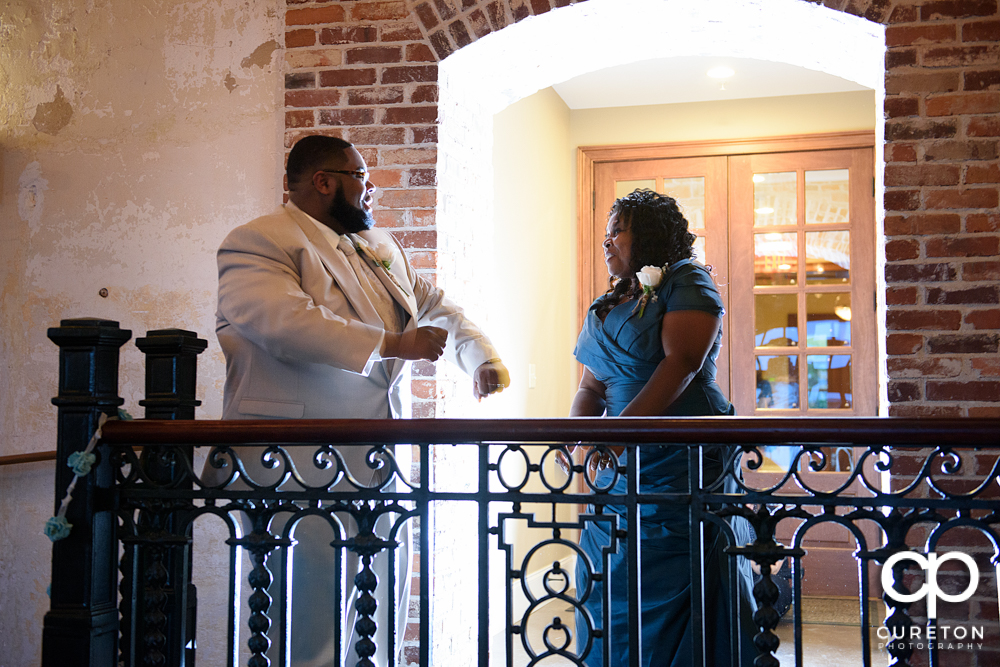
[{"x": 655, "y": 355}]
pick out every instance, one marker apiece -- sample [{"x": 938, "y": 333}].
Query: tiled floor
[
  {"x": 823, "y": 645},
  {"x": 827, "y": 646}
]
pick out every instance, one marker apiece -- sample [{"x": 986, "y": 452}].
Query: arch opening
[
  {"x": 490, "y": 75},
  {"x": 520, "y": 283}
]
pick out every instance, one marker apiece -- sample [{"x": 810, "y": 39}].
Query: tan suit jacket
[{"x": 298, "y": 332}]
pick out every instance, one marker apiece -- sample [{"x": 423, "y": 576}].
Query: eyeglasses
[{"x": 356, "y": 173}]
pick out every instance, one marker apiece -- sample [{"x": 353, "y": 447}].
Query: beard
[{"x": 352, "y": 218}]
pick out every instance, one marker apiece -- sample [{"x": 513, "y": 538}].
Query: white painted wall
[
  {"x": 133, "y": 135},
  {"x": 535, "y": 247}
]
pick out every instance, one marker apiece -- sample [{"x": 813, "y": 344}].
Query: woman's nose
[{"x": 607, "y": 242}]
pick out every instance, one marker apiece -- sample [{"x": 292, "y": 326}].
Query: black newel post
[
  {"x": 160, "y": 618},
  {"x": 81, "y": 627},
  {"x": 171, "y": 372}
]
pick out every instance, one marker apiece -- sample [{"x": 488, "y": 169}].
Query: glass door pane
[
  {"x": 828, "y": 258},
  {"x": 829, "y": 381},
  {"x": 690, "y": 196},
  {"x": 775, "y": 199},
  {"x": 776, "y": 258},
  {"x": 828, "y": 319},
  {"x": 700, "y": 250},
  {"x": 623, "y": 188},
  {"x": 777, "y": 382},
  {"x": 828, "y": 196},
  {"x": 776, "y": 320}
]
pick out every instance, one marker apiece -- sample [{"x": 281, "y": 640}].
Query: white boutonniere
[
  {"x": 382, "y": 256},
  {"x": 650, "y": 278},
  {"x": 383, "y": 252}
]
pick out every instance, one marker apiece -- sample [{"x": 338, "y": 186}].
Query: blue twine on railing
[{"x": 57, "y": 527}]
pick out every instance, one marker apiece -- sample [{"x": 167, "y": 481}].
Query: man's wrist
[{"x": 390, "y": 345}]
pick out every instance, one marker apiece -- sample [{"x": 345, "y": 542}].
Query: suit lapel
[
  {"x": 338, "y": 267},
  {"x": 394, "y": 280},
  {"x": 395, "y": 286}
]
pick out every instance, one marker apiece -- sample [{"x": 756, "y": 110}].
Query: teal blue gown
[{"x": 622, "y": 352}]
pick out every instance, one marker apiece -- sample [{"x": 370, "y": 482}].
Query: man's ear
[{"x": 324, "y": 183}]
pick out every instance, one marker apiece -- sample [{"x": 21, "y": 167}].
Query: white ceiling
[{"x": 685, "y": 79}]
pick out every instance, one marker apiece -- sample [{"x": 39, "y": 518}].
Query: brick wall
[
  {"x": 941, "y": 225},
  {"x": 942, "y": 220},
  {"x": 366, "y": 70}
]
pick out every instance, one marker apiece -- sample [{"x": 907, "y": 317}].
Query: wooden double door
[{"x": 787, "y": 226}]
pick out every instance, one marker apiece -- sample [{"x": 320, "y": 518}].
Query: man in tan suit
[{"x": 319, "y": 313}]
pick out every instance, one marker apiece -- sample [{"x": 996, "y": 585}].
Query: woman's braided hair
[{"x": 660, "y": 237}]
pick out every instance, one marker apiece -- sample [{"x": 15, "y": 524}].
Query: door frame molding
[{"x": 589, "y": 156}]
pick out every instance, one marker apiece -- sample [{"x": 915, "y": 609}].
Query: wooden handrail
[
  {"x": 895, "y": 431},
  {"x": 35, "y": 457}
]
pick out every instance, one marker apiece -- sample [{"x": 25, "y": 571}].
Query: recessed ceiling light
[{"x": 721, "y": 72}]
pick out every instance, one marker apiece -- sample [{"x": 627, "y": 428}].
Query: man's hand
[
  {"x": 490, "y": 378},
  {"x": 414, "y": 344}
]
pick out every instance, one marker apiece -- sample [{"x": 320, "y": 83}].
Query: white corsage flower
[
  {"x": 383, "y": 251},
  {"x": 650, "y": 278}
]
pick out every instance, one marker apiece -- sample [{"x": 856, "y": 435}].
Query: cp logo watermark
[{"x": 930, "y": 588}]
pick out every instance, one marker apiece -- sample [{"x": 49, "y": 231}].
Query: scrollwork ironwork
[{"x": 935, "y": 489}]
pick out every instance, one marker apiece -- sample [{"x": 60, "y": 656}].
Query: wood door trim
[
  {"x": 782, "y": 144},
  {"x": 586, "y": 198},
  {"x": 589, "y": 156}
]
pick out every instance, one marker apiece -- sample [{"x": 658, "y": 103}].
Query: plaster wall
[{"x": 133, "y": 135}]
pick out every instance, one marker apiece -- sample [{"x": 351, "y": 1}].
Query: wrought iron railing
[{"x": 912, "y": 486}]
